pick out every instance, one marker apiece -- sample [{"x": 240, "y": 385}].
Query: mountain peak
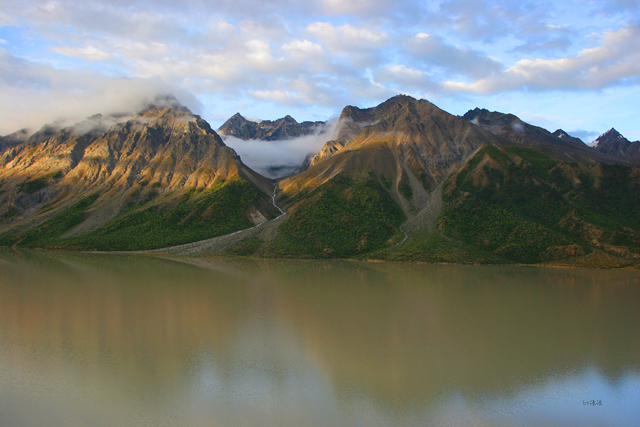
[
  {"x": 401, "y": 98},
  {"x": 560, "y": 133},
  {"x": 388, "y": 107},
  {"x": 398, "y": 100},
  {"x": 162, "y": 102},
  {"x": 611, "y": 134},
  {"x": 492, "y": 119},
  {"x": 612, "y": 142}
]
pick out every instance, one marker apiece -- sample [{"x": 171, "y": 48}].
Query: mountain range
[
  {"x": 277, "y": 130},
  {"x": 403, "y": 181}
]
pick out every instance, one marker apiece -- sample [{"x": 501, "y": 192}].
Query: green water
[{"x": 108, "y": 340}]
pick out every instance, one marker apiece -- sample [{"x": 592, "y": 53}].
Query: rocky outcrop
[{"x": 328, "y": 150}]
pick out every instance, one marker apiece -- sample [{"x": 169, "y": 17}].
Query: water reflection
[{"x": 129, "y": 340}]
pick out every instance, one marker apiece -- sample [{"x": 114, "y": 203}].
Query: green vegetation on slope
[
  {"x": 34, "y": 185},
  {"x": 534, "y": 208},
  {"x": 433, "y": 247},
  {"x": 196, "y": 216},
  {"x": 341, "y": 218},
  {"x": 48, "y": 234}
]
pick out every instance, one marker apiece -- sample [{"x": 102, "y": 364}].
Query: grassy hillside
[
  {"x": 195, "y": 216},
  {"x": 341, "y": 218},
  {"x": 434, "y": 247},
  {"x": 524, "y": 206}
]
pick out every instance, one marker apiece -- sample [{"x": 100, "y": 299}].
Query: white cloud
[
  {"x": 5, "y": 19},
  {"x": 357, "y": 45},
  {"x": 404, "y": 77},
  {"x": 348, "y": 36},
  {"x": 431, "y": 50},
  {"x": 281, "y": 96},
  {"x": 338, "y": 7},
  {"x": 615, "y": 60},
  {"x": 36, "y": 91},
  {"x": 546, "y": 46},
  {"x": 302, "y": 47},
  {"x": 90, "y": 53},
  {"x": 492, "y": 19}
]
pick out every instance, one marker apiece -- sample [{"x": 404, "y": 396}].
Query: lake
[{"x": 118, "y": 340}]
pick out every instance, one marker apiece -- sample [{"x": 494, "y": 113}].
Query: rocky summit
[
  {"x": 613, "y": 143},
  {"x": 402, "y": 181}
]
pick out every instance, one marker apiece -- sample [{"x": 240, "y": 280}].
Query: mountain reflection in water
[{"x": 108, "y": 340}]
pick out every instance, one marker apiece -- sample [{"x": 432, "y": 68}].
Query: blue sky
[{"x": 571, "y": 64}]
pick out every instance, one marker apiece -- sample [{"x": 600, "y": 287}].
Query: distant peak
[
  {"x": 613, "y": 133},
  {"x": 236, "y": 120},
  {"x": 609, "y": 137},
  {"x": 560, "y": 133}
]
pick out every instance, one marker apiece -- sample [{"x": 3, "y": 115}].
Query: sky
[{"x": 572, "y": 64}]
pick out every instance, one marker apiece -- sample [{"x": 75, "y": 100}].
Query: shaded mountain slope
[
  {"x": 518, "y": 204},
  {"x": 613, "y": 143},
  {"x": 153, "y": 174},
  {"x": 516, "y": 131}
]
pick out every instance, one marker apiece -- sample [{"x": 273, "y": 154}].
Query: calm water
[{"x": 97, "y": 340}]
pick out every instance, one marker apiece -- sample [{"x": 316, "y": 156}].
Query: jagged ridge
[{"x": 284, "y": 128}]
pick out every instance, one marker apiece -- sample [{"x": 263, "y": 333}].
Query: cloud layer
[
  {"x": 309, "y": 59},
  {"x": 276, "y": 159}
]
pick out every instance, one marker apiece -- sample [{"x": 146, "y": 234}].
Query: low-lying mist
[{"x": 277, "y": 159}]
